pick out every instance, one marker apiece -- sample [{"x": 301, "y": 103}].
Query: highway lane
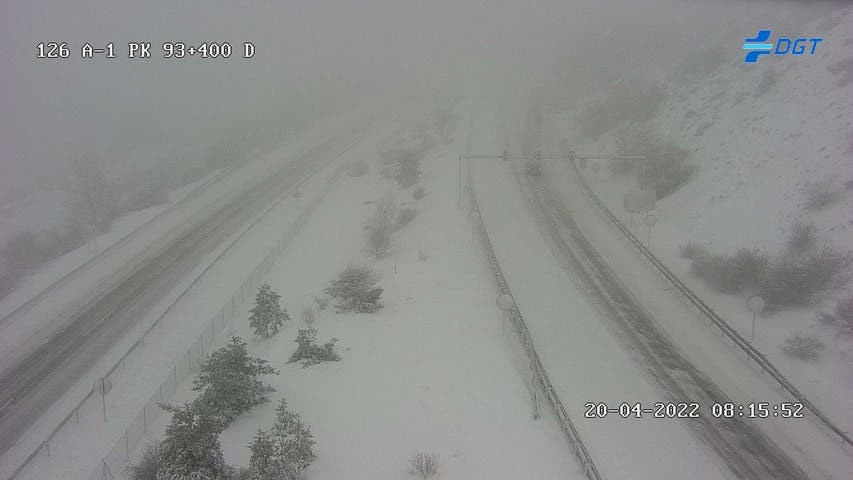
[{"x": 31, "y": 386}]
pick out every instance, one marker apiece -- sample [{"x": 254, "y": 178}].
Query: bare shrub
[
  {"x": 820, "y": 195},
  {"x": 419, "y": 193},
  {"x": 22, "y": 252},
  {"x": 667, "y": 169},
  {"x": 384, "y": 214},
  {"x": 844, "y": 314},
  {"x": 358, "y": 168},
  {"x": 692, "y": 250},
  {"x": 631, "y": 101},
  {"x": 322, "y": 302},
  {"x": 424, "y": 465},
  {"x": 803, "y": 238},
  {"x": 800, "y": 280},
  {"x": 308, "y": 314},
  {"x": 378, "y": 242},
  {"x": 824, "y": 318},
  {"x": 768, "y": 80},
  {"x": 403, "y": 164},
  {"x": 405, "y": 216},
  {"x": 805, "y": 347}
]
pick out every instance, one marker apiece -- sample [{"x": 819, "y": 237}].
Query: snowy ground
[
  {"x": 758, "y": 151},
  {"x": 430, "y": 371}
]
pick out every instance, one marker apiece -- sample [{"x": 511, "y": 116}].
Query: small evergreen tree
[
  {"x": 284, "y": 452},
  {"x": 228, "y": 380},
  {"x": 262, "y": 461},
  {"x": 149, "y": 466},
  {"x": 312, "y": 353},
  {"x": 354, "y": 288},
  {"x": 267, "y": 316},
  {"x": 191, "y": 450}
]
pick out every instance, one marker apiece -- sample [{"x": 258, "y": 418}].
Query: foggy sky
[{"x": 309, "y": 52}]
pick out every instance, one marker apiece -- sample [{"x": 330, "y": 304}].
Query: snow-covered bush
[
  {"x": 424, "y": 465},
  {"x": 692, "y": 250},
  {"x": 149, "y": 465},
  {"x": 768, "y": 80},
  {"x": 308, "y": 315},
  {"x": 355, "y": 290},
  {"x": 358, "y": 168},
  {"x": 384, "y": 215},
  {"x": 322, "y": 302},
  {"x": 800, "y": 280},
  {"x": 822, "y": 194},
  {"x": 310, "y": 352},
  {"x": 191, "y": 449},
  {"x": 824, "y": 318},
  {"x": 844, "y": 314},
  {"x": 377, "y": 242},
  {"x": 405, "y": 216},
  {"x": 806, "y": 347},
  {"x": 731, "y": 274},
  {"x": 803, "y": 238},
  {"x": 632, "y": 101},
  {"x": 419, "y": 193},
  {"x": 404, "y": 164},
  {"x": 423, "y": 253},
  {"x": 229, "y": 384},
  {"x": 667, "y": 169},
  {"x": 284, "y": 452},
  {"x": 267, "y": 316}
]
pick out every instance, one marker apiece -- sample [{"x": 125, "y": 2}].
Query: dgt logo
[{"x": 759, "y": 46}]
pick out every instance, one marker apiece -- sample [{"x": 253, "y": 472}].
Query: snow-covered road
[{"x": 581, "y": 354}]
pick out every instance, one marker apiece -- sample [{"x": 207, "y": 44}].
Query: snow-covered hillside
[{"x": 765, "y": 137}]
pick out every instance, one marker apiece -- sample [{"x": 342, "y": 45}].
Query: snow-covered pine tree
[
  {"x": 267, "y": 316},
  {"x": 354, "y": 288},
  {"x": 191, "y": 450},
  {"x": 285, "y": 451},
  {"x": 228, "y": 380},
  {"x": 263, "y": 453}
]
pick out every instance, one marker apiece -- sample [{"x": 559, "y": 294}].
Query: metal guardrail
[
  {"x": 569, "y": 430},
  {"x": 709, "y": 313},
  {"x": 74, "y": 413}
]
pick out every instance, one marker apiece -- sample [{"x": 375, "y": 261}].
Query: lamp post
[{"x": 473, "y": 217}]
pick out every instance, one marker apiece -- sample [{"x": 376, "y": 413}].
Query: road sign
[{"x": 505, "y": 302}]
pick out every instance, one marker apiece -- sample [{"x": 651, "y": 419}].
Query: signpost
[
  {"x": 650, "y": 221},
  {"x": 102, "y": 386},
  {"x": 505, "y": 302},
  {"x": 754, "y": 304}
]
